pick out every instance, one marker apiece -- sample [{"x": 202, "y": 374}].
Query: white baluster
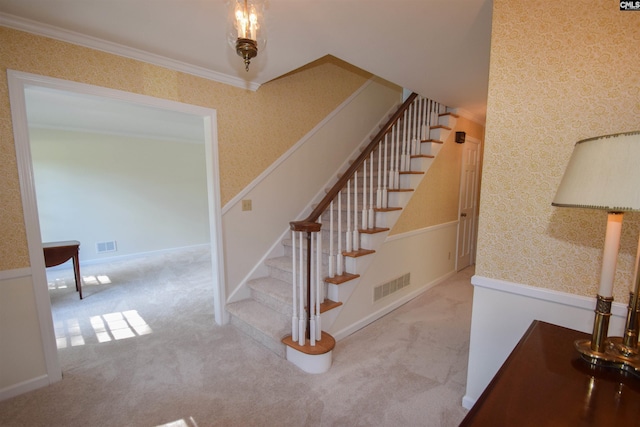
[
  {"x": 436, "y": 112},
  {"x": 416, "y": 146},
  {"x": 379, "y": 192},
  {"x": 384, "y": 186},
  {"x": 406, "y": 135},
  {"x": 312, "y": 291},
  {"x": 413, "y": 132},
  {"x": 319, "y": 286},
  {"x": 392, "y": 172},
  {"x": 371, "y": 223},
  {"x": 395, "y": 136},
  {"x": 426, "y": 121},
  {"x": 408, "y": 141},
  {"x": 416, "y": 130},
  {"x": 347, "y": 237},
  {"x": 294, "y": 318},
  {"x": 332, "y": 260},
  {"x": 396, "y": 172},
  {"x": 416, "y": 149},
  {"x": 356, "y": 232},
  {"x": 434, "y": 115},
  {"x": 424, "y": 134},
  {"x": 339, "y": 256},
  {"x": 302, "y": 319},
  {"x": 365, "y": 220}
]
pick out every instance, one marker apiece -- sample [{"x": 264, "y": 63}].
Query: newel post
[{"x": 307, "y": 227}]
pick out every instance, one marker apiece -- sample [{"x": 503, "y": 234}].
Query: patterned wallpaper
[
  {"x": 435, "y": 201},
  {"x": 561, "y": 71},
  {"x": 279, "y": 113}
]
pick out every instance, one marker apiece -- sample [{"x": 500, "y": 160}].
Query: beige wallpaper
[
  {"x": 435, "y": 201},
  {"x": 560, "y": 71},
  {"x": 254, "y": 128}
]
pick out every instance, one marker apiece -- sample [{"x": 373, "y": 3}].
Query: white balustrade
[{"x": 396, "y": 146}]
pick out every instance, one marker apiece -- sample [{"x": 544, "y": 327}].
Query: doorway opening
[
  {"x": 468, "y": 203},
  {"x": 21, "y": 85}
]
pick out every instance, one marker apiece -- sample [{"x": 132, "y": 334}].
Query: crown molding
[{"x": 33, "y": 27}]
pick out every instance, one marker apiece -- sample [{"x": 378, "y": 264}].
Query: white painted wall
[
  {"x": 23, "y": 366},
  {"x": 25, "y": 307},
  {"x": 422, "y": 253},
  {"x": 284, "y": 191},
  {"x": 503, "y": 311},
  {"x": 147, "y": 195}
]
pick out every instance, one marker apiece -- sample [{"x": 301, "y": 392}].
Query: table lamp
[{"x": 604, "y": 173}]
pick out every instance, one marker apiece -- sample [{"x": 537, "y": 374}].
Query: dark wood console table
[
  {"x": 56, "y": 253},
  {"x": 544, "y": 382}
]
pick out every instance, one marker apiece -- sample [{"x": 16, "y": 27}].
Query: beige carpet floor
[{"x": 142, "y": 349}]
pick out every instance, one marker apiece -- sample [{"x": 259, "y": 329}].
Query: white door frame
[
  {"x": 474, "y": 216},
  {"x": 18, "y": 81}
]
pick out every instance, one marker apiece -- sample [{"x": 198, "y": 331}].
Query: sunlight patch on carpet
[{"x": 105, "y": 327}]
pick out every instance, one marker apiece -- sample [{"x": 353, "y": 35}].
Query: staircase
[{"x": 367, "y": 201}]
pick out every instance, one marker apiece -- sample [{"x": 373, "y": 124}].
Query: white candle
[
  {"x": 610, "y": 255},
  {"x": 241, "y": 24},
  {"x": 253, "y": 20},
  {"x": 632, "y": 288}
]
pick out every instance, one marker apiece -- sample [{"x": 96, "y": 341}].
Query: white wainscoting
[
  {"x": 502, "y": 312},
  {"x": 427, "y": 254},
  {"x": 23, "y": 366}
]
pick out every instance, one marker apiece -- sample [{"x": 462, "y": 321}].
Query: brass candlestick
[{"x": 615, "y": 352}]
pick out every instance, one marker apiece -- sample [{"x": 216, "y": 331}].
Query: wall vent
[
  {"x": 110, "y": 246},
  {"x": 390, "y": 287}
]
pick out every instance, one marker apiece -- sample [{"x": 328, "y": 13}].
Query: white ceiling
[
  {"x": 438, "y": 48},
  {"x": 61, "y": 110}
]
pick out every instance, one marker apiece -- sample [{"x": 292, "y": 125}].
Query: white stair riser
[
  {"x": 421, "y": 163},
  {"x": 385, "y": 220},
  {"x": 431, "y": 148},
  {"x": 340, "y": 292},
  {"x": 399, "y": 198},
  {"x": 373, "y": 240},
  {"x": 282, "y": 307}
]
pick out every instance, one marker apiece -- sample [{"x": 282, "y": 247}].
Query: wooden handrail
[{"x": 310, "y": 223}]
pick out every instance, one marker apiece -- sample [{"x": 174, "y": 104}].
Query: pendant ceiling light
[{"x": 246, "y": 28}]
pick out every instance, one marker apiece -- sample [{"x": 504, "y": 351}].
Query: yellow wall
[
  {"x": 435, "y": 200},
  {"x": 561, "y": 71},
  {"x": 254, "y": 128}
]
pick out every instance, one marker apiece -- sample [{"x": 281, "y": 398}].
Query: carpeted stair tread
[
  {"x": 261, "y": 323},
  {"x": 282, "y": 263},
  {"x": 275, "y": 293}
]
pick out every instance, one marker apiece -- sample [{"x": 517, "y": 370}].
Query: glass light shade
[
  {"x": 603, "y": 173},
  {"x": 246, "y": 21}
]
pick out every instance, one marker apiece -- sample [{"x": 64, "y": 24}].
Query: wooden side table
[
  {"x": 56, "y": 253},
  {"x": 545, "y": 382}
]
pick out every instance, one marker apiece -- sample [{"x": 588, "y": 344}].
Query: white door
[{"x": 468, "y": 204}]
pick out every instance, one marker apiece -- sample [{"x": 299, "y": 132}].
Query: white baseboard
[
  {"x": 502, "y": 312},
  {"x": 468, "y": 402},
  {"x": 129, "y": 257},
  {"x": 345, "y": 332},
  {"x": 24, "y": 387}
]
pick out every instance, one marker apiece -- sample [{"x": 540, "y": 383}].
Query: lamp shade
[{"x": 603, "y": 173}]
